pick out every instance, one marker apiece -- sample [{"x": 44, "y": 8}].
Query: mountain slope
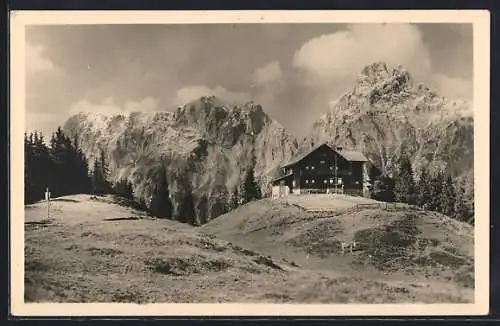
[{"x": 206, "y": 147}]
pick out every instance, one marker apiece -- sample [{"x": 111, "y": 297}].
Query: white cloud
[
  {"x": 343, "y": 54},
  {"x": 269, "y": 73},
  {"x": 147, "y": 104},
  {"x": 452, "y": 87},
  {"x": 35, "y": 60},
  {"x": 40, "y": 121},
  {"x": 109, "y": 107},
  {"x": 191, "y": 93}
]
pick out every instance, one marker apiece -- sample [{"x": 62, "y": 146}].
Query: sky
[{"x": 292, "y": 70}]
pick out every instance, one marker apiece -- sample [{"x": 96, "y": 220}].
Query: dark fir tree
[
  {"x": 468, "y": 185},
  {"x": 234, "y": 200},
  {"x": 124, "y": 189},
  {"x": 460, "y": 211},
  {"x": 69, "y": 164},
  {"x": 29, "y": 182},
  {"x": 104, "y": 165},
  {"x": 62, "y": 167},
  {"x": 37, "y": 167},
  {"x": 219, "y": 202},
  {"x": 404, "y": 189},
  {"x": 448, "y": 196},
  {"x": 203, "y": 210},
  {"x": 435, "y": 203},
  {"x": 250, "y": 189},
  {"x": 161, "y": 204},
  {"x": 187, "y": 212},
  {"x": 100, "y": 173},
  {"x": 43, "y": 167},
  {"x": 424, "y": 189},
  {"x": 27, "y": 166},
  {"x": 81, "y": 169},
  {"x": 62, "y": 159}
]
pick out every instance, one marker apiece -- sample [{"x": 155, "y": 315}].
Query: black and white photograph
[{"x": 318, "y": 162}]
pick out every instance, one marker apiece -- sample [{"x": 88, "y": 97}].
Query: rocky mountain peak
[
  {"x": 374, "y": 71},
  {"x": 385, "y": 112}
]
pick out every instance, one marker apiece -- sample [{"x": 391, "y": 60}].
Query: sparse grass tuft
[{"x": 187, "y": 265}]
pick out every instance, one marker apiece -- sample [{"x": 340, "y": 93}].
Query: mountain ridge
[
  {"x": 198, "y": 145},
  {"x": 208, "y": 145}
]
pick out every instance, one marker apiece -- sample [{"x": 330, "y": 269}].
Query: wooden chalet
[{"x": 324, "y": 169}]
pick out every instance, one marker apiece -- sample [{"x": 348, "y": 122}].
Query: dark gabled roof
[
  {"x": 281, "y": 177},
  {"x": 351, "y": 156},
  {"x": 301, "y": 156}
]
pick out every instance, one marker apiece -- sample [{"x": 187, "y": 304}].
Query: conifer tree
[
  {"x": 187, "y": 212},
  {"x": 103, "y": 163},
  {"x": 219, "y": 202},
  {"x": 62, "y": 167},
  {"x": 448, "y": 196},
  {"x": 468, "y": 185},
  {"x": 124, "y": 189},
  {"x": 461, "y": 212},
  {"x": 424, "y": 189},
  {"x": 82, "y": 178},
  {"x": 250, "y": 189},
  {"x": 61, "y": 156},
  {"x": 28, "y": 167},
  {"x": 203, "y": 210},
  {"x": 100, "y": 173},
  {"x": 43, "y": 165},
  {"x": 404, "y": 190},
  {"x": 37, "y": 167},
  {"x": 97, "y": 178},
  {"x": 234, "y": 200},
  {"x": 161, "y": 204},
  {"x": 436, "y": 190}
]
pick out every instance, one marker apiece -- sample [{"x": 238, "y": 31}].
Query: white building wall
[
  {"x": 275, "y": 191},
  {"x": 280, "y": 191}
]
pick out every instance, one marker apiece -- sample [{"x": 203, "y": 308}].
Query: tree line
[
  {"x": 436, "y": 191},
  {"x": 59, "y": 165},
  {"x": 62, "y": 167}
]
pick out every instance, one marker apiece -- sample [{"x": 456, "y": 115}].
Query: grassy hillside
[
  {"x": 106, "y": 251},
  {"x": 393, "y": 244}
]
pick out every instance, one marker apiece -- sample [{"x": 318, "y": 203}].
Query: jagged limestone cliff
[
  {"x": 385, "y": 113},
  {"x": 206, "y": 147}
]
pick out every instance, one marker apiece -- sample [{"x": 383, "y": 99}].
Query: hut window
[
  {"x": 312, "y": 167},
  {"x": 307, "y": 167},
  {"x": 322, "y": 162},
  {"x": 325, "y": 181},
  {"x": 331, "y": 180},
  {"x": 307, "y": 181},
  {"x": 312, "y": 181}
]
